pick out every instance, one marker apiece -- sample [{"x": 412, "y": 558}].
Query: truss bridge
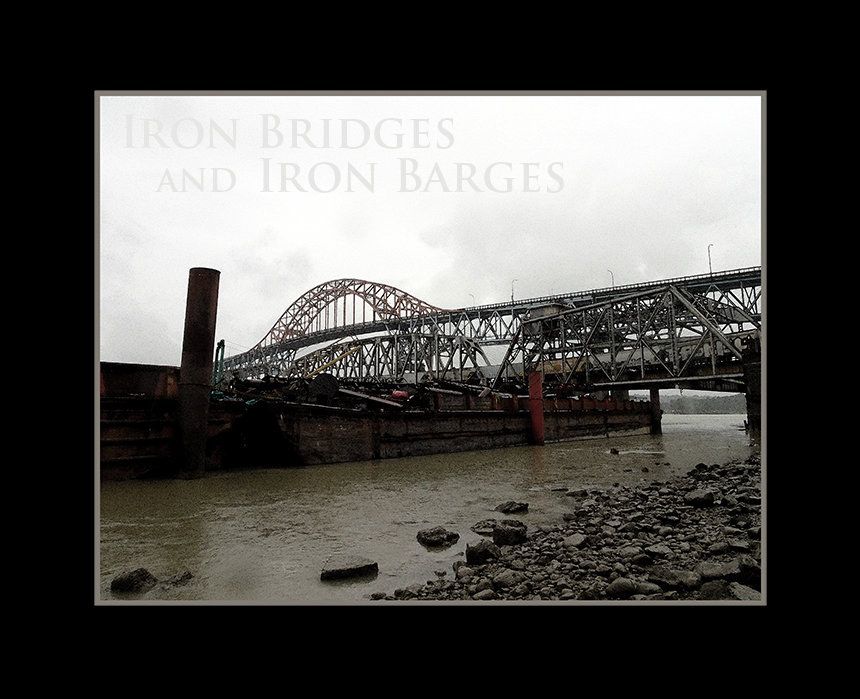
[{"x": 689, "y": 331}]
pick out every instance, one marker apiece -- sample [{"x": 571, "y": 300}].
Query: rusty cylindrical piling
[
  {"x": 195, "y": 373},
  {"x": 536, "y": 406}
]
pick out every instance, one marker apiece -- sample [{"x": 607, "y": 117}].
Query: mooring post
[
  {"x": 536, "y": 406},
  {"x": 656, "y": 412},
  {"x": 195, "y": 373},
  {"x": 752, "y": 385}
]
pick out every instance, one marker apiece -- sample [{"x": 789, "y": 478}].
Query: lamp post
[
  {"x": 613, "y": 277},
  {"x": 710, "y": 269},
  {"x": 512, "y": 289}
]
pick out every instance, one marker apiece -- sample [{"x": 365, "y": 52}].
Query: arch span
[{"x": 342, "y": 302}]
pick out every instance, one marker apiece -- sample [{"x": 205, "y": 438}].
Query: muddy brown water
[{"x": 264, "y": 535}]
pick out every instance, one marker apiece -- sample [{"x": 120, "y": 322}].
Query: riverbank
[{"x": 697, "y": 537}]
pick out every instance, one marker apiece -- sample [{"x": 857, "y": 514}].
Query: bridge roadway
[{"x": 709, "y": 306}]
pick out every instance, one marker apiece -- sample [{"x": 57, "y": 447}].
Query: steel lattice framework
[
  {"x": 392, "y": 357},
  {"x": 327, "y": 312},
  {"x": 675, "y": 324},
  {"x": 322, "y": 307},
  {"x": 662, "y": 335}
]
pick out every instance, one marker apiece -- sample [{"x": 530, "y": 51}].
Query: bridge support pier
[
  {"x": 656, "y": 412},
  {"x": 536, "y": 406},
  {"x": 195, "y": 372}
]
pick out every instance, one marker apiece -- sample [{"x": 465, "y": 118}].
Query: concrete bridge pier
[{"x": 195, "y": 372}]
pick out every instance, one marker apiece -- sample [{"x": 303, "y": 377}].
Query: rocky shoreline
[{"x": 694, "y": 538}]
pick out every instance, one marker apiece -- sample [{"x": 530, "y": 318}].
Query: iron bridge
[{"x": 689, "y": 331}]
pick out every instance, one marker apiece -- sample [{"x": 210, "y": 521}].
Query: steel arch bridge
[{"x": 677, "y": 331}]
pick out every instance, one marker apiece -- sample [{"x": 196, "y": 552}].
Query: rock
[
  {"x": 642, "y": 559},
  {"x": 621, "y": 588},
  {"x": 648, "y": 588},
  {"x": 410, "y": 592},
  {"x": 742, "y": 592},
  {"x": 437, "y": 536},
  {"x": 507, "y": 578},
  {"x": 341, "y": 566},
  {"x": 718, "y": 548},
  {"x": 464, "y": 572},
  {"x": 134, "y": 580},
  {"x": 725, "y": 590},
  {"x": 674, "y": 579},
  {"x": 484, "y": 527},
  {"x": 481, "y": 552},
  {"x": 744, "y": 570},
  {"x": 659, "y": 550},
  {"x": 704, "y": 538},
  {"x": 699, "y": 498},
  {"x": 574, "y": 541},
  {"x": 750, "y": 499},
  {"x": 510, "y": 507},
  {"x": 509, "y": 532}
]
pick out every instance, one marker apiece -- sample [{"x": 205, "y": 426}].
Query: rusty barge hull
[
  {"x": 139, "y": 426},
  {"x": 140, "y": 438},
  {"x": 320, "y": 435}
]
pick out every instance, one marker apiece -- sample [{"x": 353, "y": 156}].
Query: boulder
[
  {"x": 507, "y": 578},
  {"x": 133, "y": 580},
  {"x": 674, "y": 579},
  {"x": 621, "y": 588},
  {"x": 574, "y": 541},
  {"x": 509, "y": 532},
  {"x": 437, "y": 536},
  {"x": 744, "y": 570},
  {"x": 725, "y": 590},
  {"x": 481, "y": 552},
  {"x": 699, "y": 498},
  {"x": 342, "y": 566}
]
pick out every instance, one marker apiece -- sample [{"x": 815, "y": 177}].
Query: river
[{"x": 264, "y": 535}]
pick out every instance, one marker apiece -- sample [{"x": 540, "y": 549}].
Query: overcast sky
[{"x": 454, "y": 199}]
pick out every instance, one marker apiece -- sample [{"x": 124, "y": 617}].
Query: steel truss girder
[
  {"x": 660, "y": 334},
  {"x": 730, "y": 298},
  {"x": 391, "y": 357}
]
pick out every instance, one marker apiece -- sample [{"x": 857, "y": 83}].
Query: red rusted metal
[{"x": 536, "y": 406}]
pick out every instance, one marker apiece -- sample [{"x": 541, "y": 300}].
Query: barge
[{"x": 271, "y": 424}]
